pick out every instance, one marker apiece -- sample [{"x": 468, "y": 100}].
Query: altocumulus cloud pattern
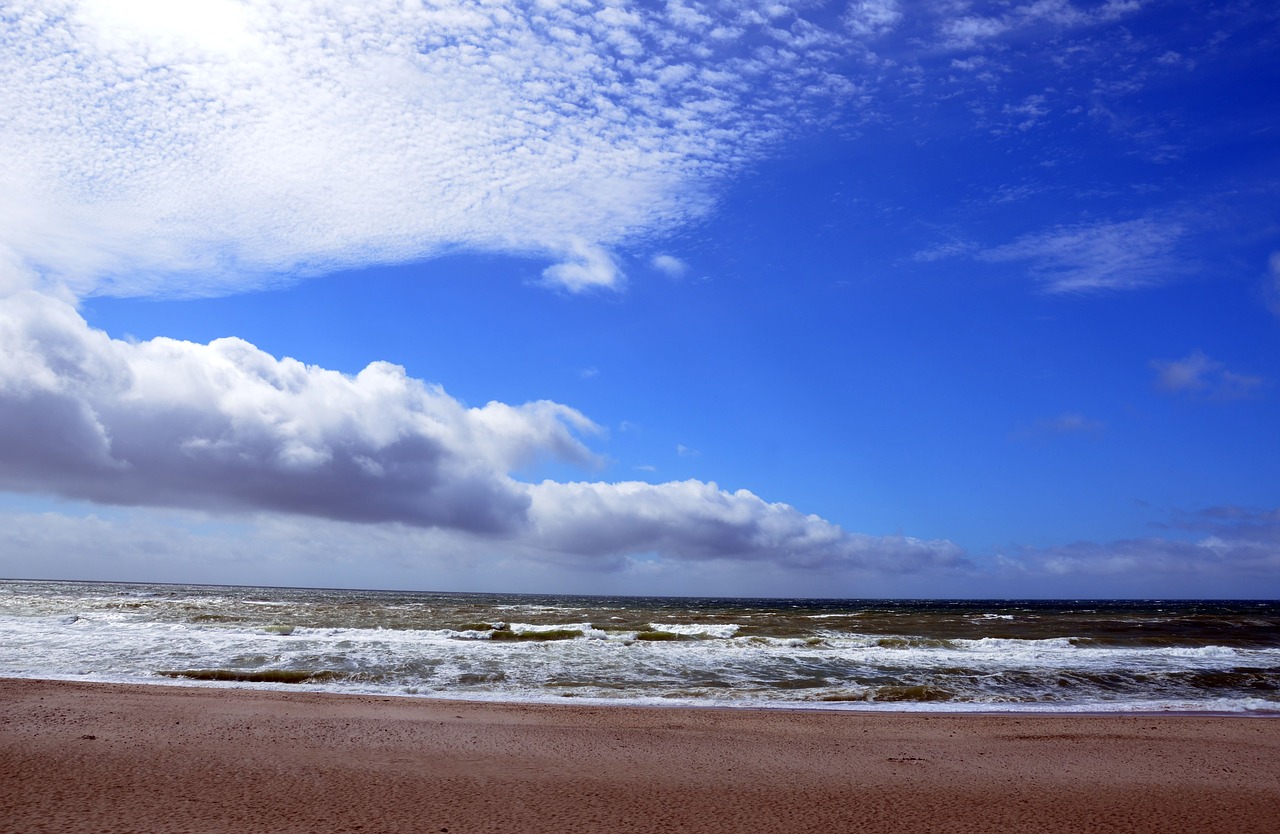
[{"x": 193, "y": 150}]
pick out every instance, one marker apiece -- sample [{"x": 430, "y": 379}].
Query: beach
[{"x": 113, "y": 757}]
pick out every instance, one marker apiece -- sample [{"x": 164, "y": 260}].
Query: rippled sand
[{"x": 102, "y": 757}]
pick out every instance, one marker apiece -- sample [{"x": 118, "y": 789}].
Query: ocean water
[{"x": 1003, "y": 655}]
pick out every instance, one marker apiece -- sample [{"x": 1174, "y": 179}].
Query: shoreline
[
  {"x": 959, "y": 708},
  {"x": 77, "y": 756}
]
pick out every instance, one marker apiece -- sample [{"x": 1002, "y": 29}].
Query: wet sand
[{"x": 106, "y": 758}]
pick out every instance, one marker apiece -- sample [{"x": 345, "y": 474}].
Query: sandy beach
[{"x": 105, "y": 758}]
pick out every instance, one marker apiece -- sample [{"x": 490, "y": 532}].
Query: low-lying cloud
[
  {"x": 1212, "y": 559},
  {"x": 699, "y": 521},
  {"x": 225, "y": 427}
]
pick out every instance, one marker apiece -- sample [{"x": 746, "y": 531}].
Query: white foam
[
  {"x": 718, "y": 630},
  {"x": 586, "y": 629}
]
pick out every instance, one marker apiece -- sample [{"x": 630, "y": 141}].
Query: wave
[
  {"x": 810, "y": 654},
  {"x": 256, "y": 675}
]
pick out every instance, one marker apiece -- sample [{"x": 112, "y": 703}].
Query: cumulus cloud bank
[
  {"x": 227, "y": 427},
  {"x": 167, "y": 422},
  {"x": 697, "y": 520}
]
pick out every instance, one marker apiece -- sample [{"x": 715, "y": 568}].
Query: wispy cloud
[
  {"x": 1027, "y": 113},
  {"x": 1067, "y": 423},
  {"x": 1230, "y": 522},
  {"x": 1137, "y": 563},
  {"x": 969, "y": 31},
  {"x": 1271, "y": 288},
  {"x": 945, "y": 250},
  {"x": 1118, "y": 255},
  {"x": 1227, "y": 550},
  {"x": 669, "y": 265},
  {"x": 1198, "y": 375}
]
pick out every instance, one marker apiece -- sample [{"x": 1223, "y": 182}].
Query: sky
[{"x": 877, "y": 298}]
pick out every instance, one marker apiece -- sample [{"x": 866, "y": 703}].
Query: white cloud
[
  {"x": 669, "y": 265},
  {"x": 1184, "y": 374},
  {"x": 975, "y": 30},
  {"x": 699, "y": 521},
  {"x": 186, "y": 149},
  {"x": 226, "y": 426},
  {"x": 945, "y": 250},
  {"x": 586, "y": 267},
  {"x": 870, "y": 18},
  {"x": 1027, "y": 114},
  {"x": 229, "y": 429},
  {"x": 1197, "y": 374},
  {"x": 968, "y": 32},
  {"x": 1102, "y": 256}
]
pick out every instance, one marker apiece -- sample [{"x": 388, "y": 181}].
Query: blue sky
[{"x": 841, "y": 299}]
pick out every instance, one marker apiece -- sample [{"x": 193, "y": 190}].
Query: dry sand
[{"x": 106, "y": 758}]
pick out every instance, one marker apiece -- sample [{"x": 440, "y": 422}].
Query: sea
[{"x": 1204, "y": 656}]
